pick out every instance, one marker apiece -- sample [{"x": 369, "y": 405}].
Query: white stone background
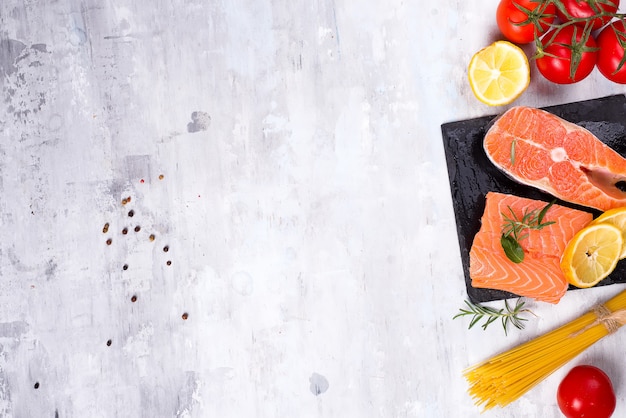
[{"x": 304, "y": 200}]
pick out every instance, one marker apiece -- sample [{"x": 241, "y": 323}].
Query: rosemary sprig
[
  {"x": 513, "y": 144},
  {"x": 514, "y": 226},
  {"x": 507, "y": 315}
]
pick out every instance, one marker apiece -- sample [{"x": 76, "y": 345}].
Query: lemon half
[
  {"x": 615, "y": 217},
  {"x": 499, "y": 73},
  {"x": 592, "y": 254}
]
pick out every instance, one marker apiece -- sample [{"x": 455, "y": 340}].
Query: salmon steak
[
  {"x": 539, "y": 149},
  {"x": 538, "y": 275}
]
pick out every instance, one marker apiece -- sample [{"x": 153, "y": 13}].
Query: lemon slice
[
  {"x": 499, "y": 73},
  {"x": 615, "y": 217},
  {"x": 592, "y": 254}
]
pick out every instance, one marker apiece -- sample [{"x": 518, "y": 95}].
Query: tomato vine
[{"x": 581, "y": 40}]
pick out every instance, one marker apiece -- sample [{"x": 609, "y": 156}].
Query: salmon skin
[
  {"x": 539, "y": 149},
  {"x": 539, "y": 275}
]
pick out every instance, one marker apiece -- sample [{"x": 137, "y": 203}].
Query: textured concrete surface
[{"x": 287, "y": 159}]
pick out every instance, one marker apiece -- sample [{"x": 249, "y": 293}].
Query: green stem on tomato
[{"x": 578, "y": 48}]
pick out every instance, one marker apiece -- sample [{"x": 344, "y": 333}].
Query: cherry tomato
[
  {"x": 586, "y": 391},
  {"x": 588, "y": 8},
  {"x": 611, "y": 41},
  {"x": 519, "y": 19},
  {"x": 566, "y": 50}
]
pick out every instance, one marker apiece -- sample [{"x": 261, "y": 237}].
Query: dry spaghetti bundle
[{"x": 507, "y": 376}]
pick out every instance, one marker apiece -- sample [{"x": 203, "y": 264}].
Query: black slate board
[{"x": 472, "y": 175}]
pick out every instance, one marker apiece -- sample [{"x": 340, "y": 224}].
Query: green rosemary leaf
[
  {"x": 505, "y": 321},
  {"x": 543, "y": 212},
  {"x": 475, "y": 320},
  {"x": 513, "y": 143},
  {"x": 489, "y": 321},
  {"x": 463, "y": 312}
]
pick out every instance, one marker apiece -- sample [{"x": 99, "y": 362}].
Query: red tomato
[
  {"x": 611, "y": 52},
  {"x": 519, "y": 19},
  {"x": 586, "y": 391},
  {"x": 567, "y": 50},
  {"x": 588, "y": 8}
]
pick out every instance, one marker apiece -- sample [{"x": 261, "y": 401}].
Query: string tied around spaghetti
[{"x": 612, "y": 321}]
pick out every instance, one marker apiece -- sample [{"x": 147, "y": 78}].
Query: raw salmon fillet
[
  {"x": 539, "y": 275},
  {"x": 539, "y": 149}
]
